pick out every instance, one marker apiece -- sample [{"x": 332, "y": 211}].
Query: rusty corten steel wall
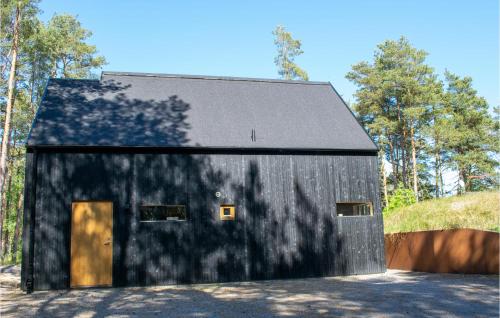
[{"x": 446, "y": 251}]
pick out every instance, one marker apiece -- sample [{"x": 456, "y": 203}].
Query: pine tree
[
  {"x": 69, "y": 56},
  {"x": 58, "y": 48},
  {"x": 393, "y": 103},
  {"x": 16, "y": 14},
  {"x": 472, "y": 139},
  {"x": 288, "y": 49}
]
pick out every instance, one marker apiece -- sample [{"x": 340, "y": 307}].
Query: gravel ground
[{"x": 393, "y": 294}]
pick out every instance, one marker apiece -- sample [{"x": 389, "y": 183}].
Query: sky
[{"x": 234, "y": 38}]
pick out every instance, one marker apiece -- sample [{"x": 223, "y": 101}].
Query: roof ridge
[
  {"x": 209, "y": 77},
  {"x": 73, "y": 79}
]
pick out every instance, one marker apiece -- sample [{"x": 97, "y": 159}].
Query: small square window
[
  {"x": 227, "y": 212},
  {"x": 354, "y": 209}
]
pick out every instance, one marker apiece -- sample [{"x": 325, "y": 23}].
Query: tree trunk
[
  {"x": 394, "y": 165},
  {"x": 17, "y": 230},
  {"x": 1, "y": 222},
  {"x": 467, "y": 180},
  {"x": 10, "y": 105},
  {"x": 441, "y": 181},
  {"x": 402, "y": 145},
  {"x": 414, "y": 161},
  {"x": 34, "y": 65},
  {"x": 437, "y": 167},
  {"x": 5, "y": 218},
  {"x": 462, "y": 176},
  {"x": 437, "y": 163},
  {"x": 404, "y": 158}
]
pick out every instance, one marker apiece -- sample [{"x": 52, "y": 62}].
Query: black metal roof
[{"x": 156, "y": 110}]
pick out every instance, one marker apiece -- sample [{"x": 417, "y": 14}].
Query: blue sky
[{"x": 233, "y": 38}]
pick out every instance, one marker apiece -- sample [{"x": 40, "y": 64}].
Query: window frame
[
  {"x": 231, "y": 216},
  {"x": 369, "y": 203},
  {"x": 163, "y": 205}
]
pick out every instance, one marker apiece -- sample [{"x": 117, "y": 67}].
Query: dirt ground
[{"x": 393, "y": 294}]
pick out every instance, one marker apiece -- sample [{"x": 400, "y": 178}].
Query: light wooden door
[{"x": 92, "y": 244}]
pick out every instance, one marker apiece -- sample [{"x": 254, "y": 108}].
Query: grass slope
[{"x": 479, "y": 210}]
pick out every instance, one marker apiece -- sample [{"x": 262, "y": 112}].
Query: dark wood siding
[
  {"x": 28, "y": 225},
  {"x": 286, "y": 223}
]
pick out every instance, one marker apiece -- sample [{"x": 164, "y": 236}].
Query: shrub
[{"x": 400, "y": 198}]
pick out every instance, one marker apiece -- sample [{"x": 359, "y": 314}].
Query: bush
[{"x": 400, "y": 198}]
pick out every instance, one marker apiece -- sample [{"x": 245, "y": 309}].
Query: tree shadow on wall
[
  {"x": 290, "y": 239},
  {"x": 95, "y": 113},
  {"x": 265, "y": 241},
  {"x": 271, "y": 237},
  {"x": 99, "y": 113}
]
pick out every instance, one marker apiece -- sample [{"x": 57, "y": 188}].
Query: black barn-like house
[{"x": 145, "y": 179}]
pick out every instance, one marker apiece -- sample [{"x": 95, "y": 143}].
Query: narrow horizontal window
[
  {"x": 354, "y": 208},
  {"x": 150, "y": 213}
]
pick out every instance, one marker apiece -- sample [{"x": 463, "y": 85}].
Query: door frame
[{"x": 112, "y": 241}]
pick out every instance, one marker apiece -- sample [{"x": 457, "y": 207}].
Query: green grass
[{"x": 480, "y": 210}]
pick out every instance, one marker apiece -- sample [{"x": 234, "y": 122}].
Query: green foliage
[
  {"x": 58, "y": 48},
  {"x": 472, "y": 139},
  {"x": 408, "y": 112},
  {"x": 288, "y": 48},
  {"x": 67, "y": 52},
  {"x": 478, "y": 210},
  {"x": 394, "y": 93},
  {"x": 400, "y": 198}
]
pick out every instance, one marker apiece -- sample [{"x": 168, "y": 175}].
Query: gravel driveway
[{"x": 393, "y": 294}]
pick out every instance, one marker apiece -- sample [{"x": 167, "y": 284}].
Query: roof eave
[{"x": 89, "y": 148}]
